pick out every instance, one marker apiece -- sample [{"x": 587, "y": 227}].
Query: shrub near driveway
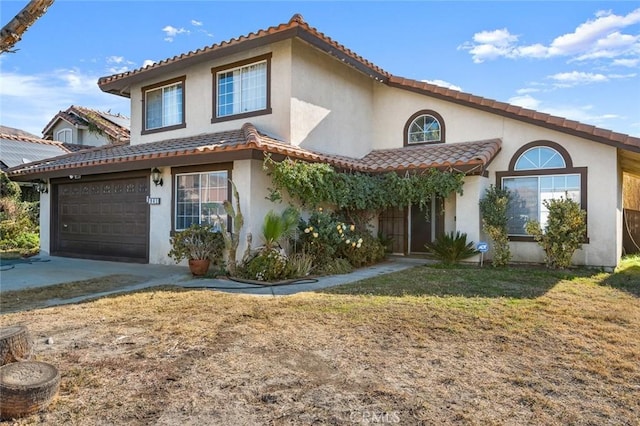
[{"x": 456, "y": 345}]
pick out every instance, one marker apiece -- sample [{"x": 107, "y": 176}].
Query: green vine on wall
[{"x": 316, "y": 184}]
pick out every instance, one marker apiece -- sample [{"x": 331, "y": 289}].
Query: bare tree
[{"x": 12, "y": 32}]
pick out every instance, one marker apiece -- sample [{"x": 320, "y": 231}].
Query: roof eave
[{"x": 122, "y": 86}]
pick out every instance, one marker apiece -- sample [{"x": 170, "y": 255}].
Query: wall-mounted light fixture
[
  {"x": 156, "y": 176},
  {"x": 42, "y": 186}
]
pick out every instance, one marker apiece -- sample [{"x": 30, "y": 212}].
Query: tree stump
[
  {"x": 15, "y": 344},
  {"x": 27, "y": 387}
]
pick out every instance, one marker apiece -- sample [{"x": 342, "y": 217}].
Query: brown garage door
[{"x": 102, "y": 219}]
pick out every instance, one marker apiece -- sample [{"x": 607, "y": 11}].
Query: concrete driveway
[{"x": 43, "y": 271}]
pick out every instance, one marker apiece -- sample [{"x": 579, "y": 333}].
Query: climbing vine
[{"x": 316, "y": 184}]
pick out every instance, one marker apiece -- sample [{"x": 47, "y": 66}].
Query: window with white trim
[
  {"x": 64, "y": 135},
  {"x": 539, "y": 173},
  {"x": 242, "y": 89},
  {"x": 164, "y": 106},
  {"x": 425, "y": 128},
  {"x": 199, "y": 198}
]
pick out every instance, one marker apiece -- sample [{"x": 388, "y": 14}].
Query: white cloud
[
  {"x": 574, "y": 78},
  {"x": 582, "y": 113},
  {"x": 148, "y": 63},
  {"x": 631, "y": 63},
  {"x": 196, "y": 23},
  {"x": 123, "y": 65},
  {"x": 600, "y": 38},
  {"x": 525, "y": 101},
  {"x": 171, "y": 32},
  {"x": 443, "y": 83},
  {"x": 36, "y": 98},
  {"x": 526, "y": 90}
]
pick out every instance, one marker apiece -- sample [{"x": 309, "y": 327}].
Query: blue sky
[{"x": 575, "y": 59}]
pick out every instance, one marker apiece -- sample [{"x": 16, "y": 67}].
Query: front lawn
[{"x": 429, "y": 345}]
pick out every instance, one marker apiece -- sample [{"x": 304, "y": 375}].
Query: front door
[{"x": 409, "y": 229}]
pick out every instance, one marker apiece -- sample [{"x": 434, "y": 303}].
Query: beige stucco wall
[
  {"x": 199, "y": 102},
  {"x": 80, "y": 136},
  {"x": 331, "y": 104},
  {"x": 160, "y": 220},
  {"x": 45, "y": 222},
  {"x": 394, "y": 106}
]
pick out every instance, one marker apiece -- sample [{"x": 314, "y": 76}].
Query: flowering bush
[{"x": 326, "y": 238}]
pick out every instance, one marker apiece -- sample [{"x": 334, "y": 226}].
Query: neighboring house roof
[
  {"x": 6, "y": 130},
  {"x": 16, "y": 150},
  {"x": 248, "y": 142},
  {"x": 114, "y": 126},
  {"x": 120, "y": 84}
]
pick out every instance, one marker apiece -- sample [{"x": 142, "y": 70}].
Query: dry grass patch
[{"x": 558, "y": 348}]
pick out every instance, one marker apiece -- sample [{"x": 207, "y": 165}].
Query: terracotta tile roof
[
  {"x": 115, "y": 127},
  {"x": 470, "y": 157},
  {"x": 465, "y": 157},
  {"x": 297, "y": 27},
  {"x": 560, "y": 124}
]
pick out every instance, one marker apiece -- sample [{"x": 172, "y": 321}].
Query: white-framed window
[
  {"x": 64, "y": 135},
  {"x": 242, "y": 88},
  {"x": 538, "y": 172},
  {"x": 164, "y": 105},
  {"x": 424, "y": 126},
  {"x": 199, "y": 198}
]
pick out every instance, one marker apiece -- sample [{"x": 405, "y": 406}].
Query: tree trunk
[
  {"x": 27, "y": 387},
  {"x": 15, "y": 344}
]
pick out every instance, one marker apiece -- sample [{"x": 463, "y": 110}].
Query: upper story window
[
  {"x": 164, "y": 106},
  {"x": 540, "y": 171},
  {"x": 64, "y": 135},
  {"x": 424, "y": 127},
  {"x": 242, "y": 89}
]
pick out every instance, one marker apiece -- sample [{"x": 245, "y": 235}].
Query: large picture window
[
  {"x": 199, "y": 198},
  {"x": 242, "y": 89},
  {"x": 538, "y": 172},
  {"x": 164, "y": 106}
]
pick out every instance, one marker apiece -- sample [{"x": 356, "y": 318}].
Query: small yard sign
[{"x": 482, "y": 247}]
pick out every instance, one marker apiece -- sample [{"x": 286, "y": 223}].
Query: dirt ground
[{"x": 178, "y": 357}]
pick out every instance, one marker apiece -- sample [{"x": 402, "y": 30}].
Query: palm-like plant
[
  {"x": 451, "y": 248},
  {"x": 278, "y": 227}
]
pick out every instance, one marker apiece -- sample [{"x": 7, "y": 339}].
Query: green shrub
[
  {"x": 493, "y": 208},
  {"x": 451, "y": 248},
  {"x": 364, "y": 251},
  {"x": 335, "y": 266},
  {"x": 267, "y": 265},
  {"x": 299, "y": 265},
  {"x": 563, "y": 234},
  {"x": 197, "y": 242},
  {"x": 279, "y": 227}
]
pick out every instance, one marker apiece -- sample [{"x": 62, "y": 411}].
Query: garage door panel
[{"x": 105, "y": 220}]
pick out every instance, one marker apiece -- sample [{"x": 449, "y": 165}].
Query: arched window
[
  {"x": 540, "y": 157},
  {"x": 424, "y": 127},
  {"x": 539, "y": 171},
  {"x": 64, "y": 135}
]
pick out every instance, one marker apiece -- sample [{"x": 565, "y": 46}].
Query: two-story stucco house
[{"x": 208, "y": 115}]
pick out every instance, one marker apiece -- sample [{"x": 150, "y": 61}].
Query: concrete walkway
[{"x": 43, "y": 271}]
